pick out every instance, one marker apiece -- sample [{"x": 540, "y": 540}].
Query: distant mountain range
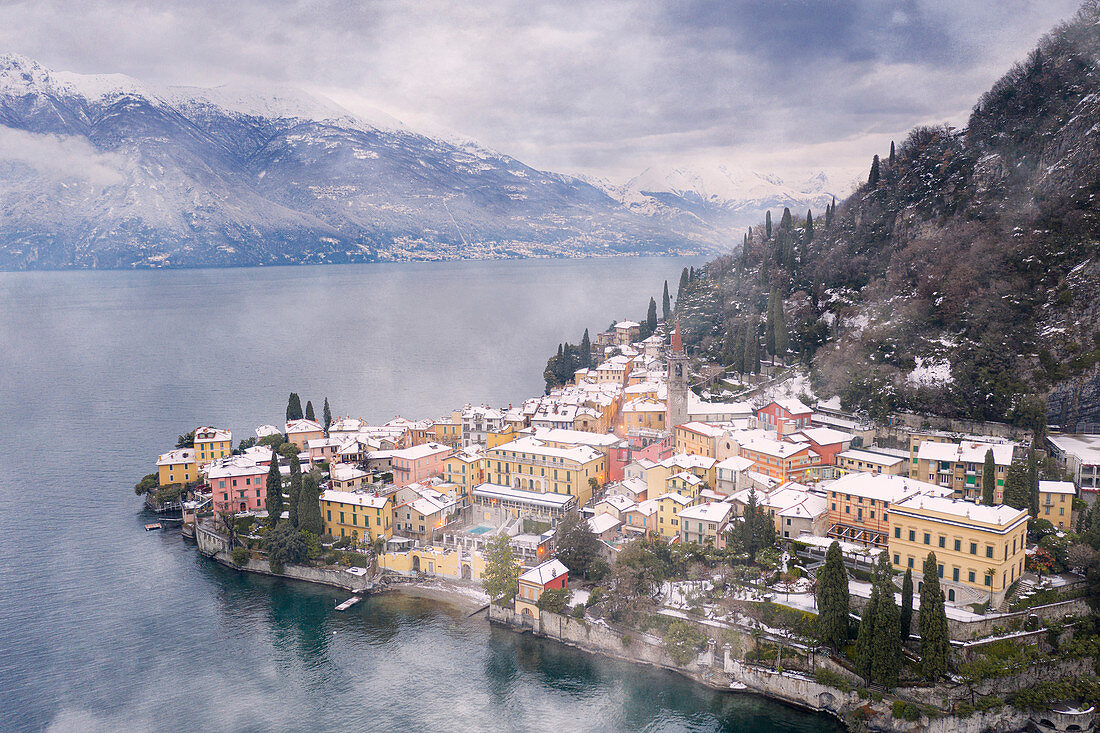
[{"x": 104, "y": 171}]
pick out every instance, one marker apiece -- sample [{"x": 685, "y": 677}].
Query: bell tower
[{"x": 677, "y": 382}]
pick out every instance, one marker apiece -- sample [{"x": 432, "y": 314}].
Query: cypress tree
[
  {"x": 769, "y": 326},
  {"x": 864, "y": 651},
  {"x": 294, "y": 407},
  {"x": 809, "y": 226},
  {"x": 691, "y": 274},
  {"x": 892, "y": 152},
  {"x": 586, "y": 349},
  {"x": 274, "y": 499},
  {"x": 1033, "y": 482},
  {"x": 832, "y": 599},
  {"x": 1016, "y": 490},
  {"x": 295, "y": 493},
  {"x": 872, "y": 178},
  {"x": 309, "y": 507},
  {"x": 651, "y": 316},
  {"x": 310, "y": 414},
  {"x": 745, "y": 253},
  {"x": 786, "y": 222},
  {"x": 886, "y": 654},
  {"x": 935, "y": 642},
  {"x": 328, "y": 416},
  {"x": 989, "y": 478},
  {"x": 768, "y": 225},
  {"x": 782, "y": 342},
  {"x": 905, "y": 622},
  {"x": 748, "y": 348},
  {"x": 666, "y": 306},
  {"x": 683, "y": 285},
  {"x": 755, "y": 353}
]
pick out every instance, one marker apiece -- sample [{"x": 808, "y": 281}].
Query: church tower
[{"x": 677, "y": 381}]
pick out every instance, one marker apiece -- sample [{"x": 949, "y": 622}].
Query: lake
[{"x": 107, "y": 627}]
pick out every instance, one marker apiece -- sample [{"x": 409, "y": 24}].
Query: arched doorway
[
  {"x": 467, "y": 574},
  {"x": 416, "y": 563}
]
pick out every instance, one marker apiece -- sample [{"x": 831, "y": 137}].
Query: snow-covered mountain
[
  {"x": 106, "y": 171},
  {"x": 725, "y": 198}
]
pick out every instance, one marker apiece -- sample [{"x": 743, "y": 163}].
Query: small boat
[
  {"x": 154, "y": 525},
  {"x": 348, "y": 603}
]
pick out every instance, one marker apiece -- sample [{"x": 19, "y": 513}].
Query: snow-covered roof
[
  {"x": 547, "y": 572},
  {"x": 689, "y": 461},
  {"x": 421, "y": 451},
  {"x": 358, "y": 498},
  {"x": 1057, "y": 487},
  {"x": 603, "y": 523},
  {"x": 647, "y": 507},
  {"x": 576, "y": 437},
  {"x": 673, "y": 496},
  {"x": 968, "y": 451},
  {"x": 538, "y": 498},
  {"x": 346, "y": 472},
  {"x": 867, "y": 456},
  {"x": 627, "y": 324},
  {"x": 1086, "y": 448},
  {"x": 791, "y": 405},
  {"x": 825, "y": 436},
  {"x": 883, "y": 487},
  {"x": 702, "y": 428},
  {"x": 209, "y": 434},
  {"x": 303, "y": 426},
  {"x": 1000, "y": 515},
  {"x": 686, "y": 477},
  {"x": 180, "y": 455},
  {"x": 528, "y": 444},
  {"x": 265, "y": 431},
  {"x": 735, "y": 463},
  {"x": 710, "y": 512},
  {"x": 318, "y": 443}
]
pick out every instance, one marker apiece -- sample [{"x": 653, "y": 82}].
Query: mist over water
[{"x": 107, "y": 627}]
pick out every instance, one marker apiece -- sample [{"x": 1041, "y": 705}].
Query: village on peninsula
[{"x": 909, "y": 574}]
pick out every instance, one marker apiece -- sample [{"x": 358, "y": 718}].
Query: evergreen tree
[
  {"x": 768, "y": 225},
  {"x": 327, "y": 412},
  {"x": 501, "y": 577},
  {"x": 310, "y": 414},
  {"x": 935, "y": 643},
  {"x": 989, "y": 479},
  {"x": 886, "y": 654},
  {"x": 1033, "y": 482},
  {"x": 864, "y": 650},
  {"x": 745, "y": 253},
  {"x": 1016, "y": 492},
  {"x": 892, "y": 153},
  {"x": 809, "y": 237},
  {"x": 769, "y": 326},
  {"x": 309, "y": 506},
  {"x": 578, "y": 547},
  {"x": 274, "y": 499},
  {"x": 666, "y": 305},
  {"x": 782, "y": 340},
  {"x": 786, "y": 222},
  {"x": 691, "y": 274},
  {"x": 830, "y": 212},
  {"x": 683, "y": 286},
  {"x": 749, "y": 348},
  {"x": 1091, "y": 536},
  {"x": 586, "y": 350},
  {"x": 905, "y": 621},
  {"x": 755, "y": 353},
  {"x": 294, "y": 407},
  {"x": 651, "y": 316},
  {"x": 832, "y": 599},
  {"x": 872, "y": 178},
  {"x": 295, "y": 493}
]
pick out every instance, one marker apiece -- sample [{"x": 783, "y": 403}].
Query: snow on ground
[
  {"x": 580, "y": 596},
  {"x": 930, "y": 372}
]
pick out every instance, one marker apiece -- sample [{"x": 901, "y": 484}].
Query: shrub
[
  {"x": 240, "y": 556},
  {"x": 964, "y": 709},
  {"x": 683, "y": 641},
  {"x": 831, "y": 679},
  {"x": 578, "y": 611},
  {"x": 905, "y": 710},
  {"x": 594, "y": 596},
  {"x": 988, "y": 702},
  {"x": 876, "y": 696},
  {"x": 626, "y": 640}
]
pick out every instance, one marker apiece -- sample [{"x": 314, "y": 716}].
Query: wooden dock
[
  {"x": 348, "y": 603},
  {"x": 151, "y": 527}
]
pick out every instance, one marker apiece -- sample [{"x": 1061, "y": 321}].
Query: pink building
[
  {"x": 238, "y": 485},
  {"x": 300, "y": 432},
  {"x": 419, "y": 463},
  {"x": 323, "y": 449}
]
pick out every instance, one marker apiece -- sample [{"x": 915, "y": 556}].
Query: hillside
[
  {"x": 106, "y": 171},
  {"x": 962, "y": 278}
]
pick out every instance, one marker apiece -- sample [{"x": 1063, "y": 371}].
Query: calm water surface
[{"x": 106, "y": 627}]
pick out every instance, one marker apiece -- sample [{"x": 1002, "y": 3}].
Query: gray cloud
[
  {"x": 607, "y": 87},
  {"x": 60, "y": 158}
]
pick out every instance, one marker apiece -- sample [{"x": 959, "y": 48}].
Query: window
[
  {"x": 897, "y": 533},
  {"x": 897, "y": 559},
  {"x": 927, "y": 538},
  {"x": 910, "y": 561},
  {"x": 912, "y": 536},
  {"x": 958, "y": 545},
  {"x": 989, "y": 550},
  {"x": 989, "y": 580},
  {"x": 955, "y": 574},
  {"x": 973, "y": 548},
  {"x": 939, "y": 570},
  {"x": 943, "y": 541},
  {"x": 970, "y": 576}
]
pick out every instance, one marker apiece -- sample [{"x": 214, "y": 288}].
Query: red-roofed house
[
  {"x": 550, "y": 574},
  {"x": 784, "y": 416}
]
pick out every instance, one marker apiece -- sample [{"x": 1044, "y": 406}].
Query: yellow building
[
  {"x": 466, "y": 469},
  {"x": 958, "y": 466},
  {"x": 211, "y": 444},
  {"x": 532, "y": 465},
  {"x": 177, "y": 467},
  {"x": 669, "y": 507},
  {"x": 506, "y": 434},
  {"x": 697, "y": 438},
  {"x": 979, "y": 549},
  {"x": 448, "y": 432},
  {"x": 453, "y": 564},
  {"x": 357, "y": 515},
  {"x": 534, "y": 582},
  {"x": 867, "y": 461},
  {"x": 684, "y": 483},
  {"x": 645, "y": 414},
  {"x": 1056, "y": 503}
]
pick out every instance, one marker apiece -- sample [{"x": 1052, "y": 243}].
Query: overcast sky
[{"x": 606, "y": 88}]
